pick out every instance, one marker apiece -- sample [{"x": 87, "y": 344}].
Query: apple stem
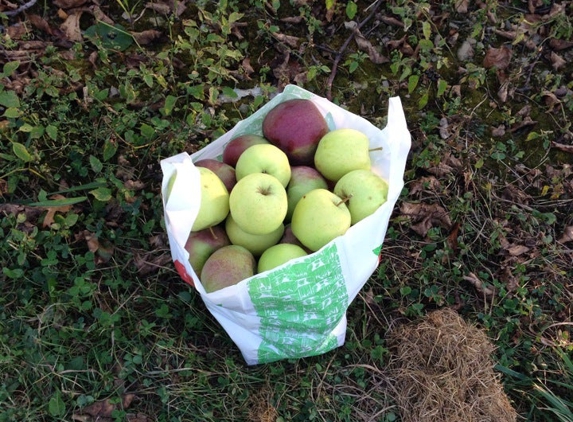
[
  {"x": 344, "y": 200},
  {"x": 213, "y": 233},
  {"x": 376, "y": 149}
]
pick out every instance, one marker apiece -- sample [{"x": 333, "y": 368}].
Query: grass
[{"x": 94, "y": 321}]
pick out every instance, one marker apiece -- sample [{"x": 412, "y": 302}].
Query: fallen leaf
[
  {"x": 51, "y": 211},
  {"x": 40, "y": 23},
  {"x": 287, "y": 39},
  {"x": 497, "y": 57},
  {"x": 557, "y": 61},
  {"x": 562, "y": 147},
  {"x": 558, "y": 44},
  {"x": 517, "y": 250},
  {"x": 105, "y": 408},
  {"x": 567, "y": 235},
  {"x": 462, "y": 6},
  {"x": 71, "y": 26},
  {"x": 479, "y": 285},
  {"x": 69, "y": 4},
  {"x": 146, "y": 37},
  {"x": 425, "y": 216},
  {"x": 526, "y": 122},
  {"x": 498, "y": 131},
  {"x": 101, "y": 16},
  {"x": 389, "y": 20}
]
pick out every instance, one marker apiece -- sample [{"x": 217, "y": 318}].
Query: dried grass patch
[{"x": 442, "y": 370}]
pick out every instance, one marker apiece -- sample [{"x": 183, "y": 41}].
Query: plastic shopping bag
[{"x": 297, "y": 309}]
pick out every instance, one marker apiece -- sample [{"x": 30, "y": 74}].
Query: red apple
[
  {"x": 236, "y": 146},
  {"x": 225, "y": 172},
  {"x": 295, "y": 126},
  {"x": 203, "y": 243},
  {"x": 227, "y": 266}
]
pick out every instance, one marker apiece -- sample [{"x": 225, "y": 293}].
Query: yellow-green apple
[
  {"x": 364, "y": 192},
  {"x": 258, "y": 203},
  {"x": 238, "y": 145},
  {"x": 303, "y": 179},
  {"x": 255, "y": 243},
  {"x": 295, "y": 126},
  {"x": 319, "y": 217},
  {"x": 264, "y": 158},
  {"x": 170, "y": 184},
  {"x": 225, "y": 172},
  {"x": 341, "y": 151},
  {"x": 214, "y": 205},
  {"x": 279, "y": 254},
  {"x": 203, "y": 243},
  {"x": 227, "y": 266}
]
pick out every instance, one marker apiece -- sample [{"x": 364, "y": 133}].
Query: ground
[{"x": 95, "y": 322}]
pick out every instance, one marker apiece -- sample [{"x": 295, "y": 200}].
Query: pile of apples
[{"x": 280, "y": 196}]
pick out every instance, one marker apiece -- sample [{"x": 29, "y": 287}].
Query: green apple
[
  {"x": 279, "y": 254},
  {"x": 341, "y": 151},
  {"x": 364, "y": 192},
  {"x": 319, "y": 217},
  {"x": 203, "y": 243},
  {"x": 303, "y": 179},
  {"x": 238, "y": 145},
  {"x": 264, "y": 158},
  {"x": 255, "y": 243},
  {"x": 214, "y": 205},
  {"x": 258, "y": 203},
  {"x": 170, "y": 184},
  {"x": 227, "y": 266}
]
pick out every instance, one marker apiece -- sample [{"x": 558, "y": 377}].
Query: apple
[
  {"x": 289, "y": 237},
  {"x": 255, "y": 243},
  {"x": 365, "y": 192},
  {"x": 214, "y": 205},
  {"x": 319, "y": 217},
  {"x": 341, "y": 151},
  {"x": 258, "y": 203},
  {"x": 264, "y": 158},
  {"x": 295, "y": 126},
  {"x": 203, "y": 243},
  {"x": 303, "y": 179},
  {"x": 238, "y": 145},
  {"x": 227, "y": 266},
  {"x": 225, "y": 172},
  {"x": 169, "y": 186},
  {"x": 279, "y": 254}
]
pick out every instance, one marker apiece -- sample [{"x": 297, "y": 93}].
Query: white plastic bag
[{"x": 299, "y": 308}]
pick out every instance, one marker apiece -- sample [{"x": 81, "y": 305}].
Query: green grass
[{"x": 92, "y": 311}]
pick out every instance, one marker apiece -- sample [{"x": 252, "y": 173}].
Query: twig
[
  {"x": 25, "y": 6},
  {"x": 342, "y": 49}
]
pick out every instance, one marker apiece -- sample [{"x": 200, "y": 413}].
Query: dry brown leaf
[
  {"x": 287, "y": 39},
  {"x": 425, "y": 216},
  {"x": 146, "y": 37},
  {"x": 567, "y": 235},
  {"x": 51, "y": 211},
  {"x": 517, "y": 250},
  {"x": 498, "y": 131},
  {"x": 462, "y": 6},
  {"x": 562, "y": 147},
  {"x": 40, "y": 23},
  {"x": 69, "y": 4},
  {"x": 426, "y": 183},
  {"x": 101, "y": 16},
  {"x": 71, "y": 26},
  {"x": 497, "y": 57},
  {"x": 389, "y": 20},
  {"x": 105, "y": 408},
  {"x": 559, "y": 45},
  {"x": 366, "y": 46},
  {"x": 526, "y": 122},
  {"x": 479, "y": 285},
  {"x": 557, "y": 61}
]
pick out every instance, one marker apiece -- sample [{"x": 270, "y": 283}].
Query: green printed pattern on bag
[{"x": 299, "y": 306}]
